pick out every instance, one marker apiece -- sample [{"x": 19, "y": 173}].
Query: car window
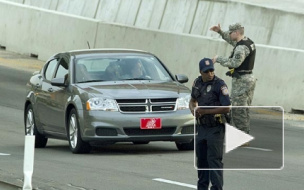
[
  {"x": 156, "y": 69},
  {"x": 121, "y": 67},
  {"x": 61, "y": 72},
  {"x": 49, "y": 72}
]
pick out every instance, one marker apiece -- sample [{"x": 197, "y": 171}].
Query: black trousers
[{"x": 209, "y": 153}]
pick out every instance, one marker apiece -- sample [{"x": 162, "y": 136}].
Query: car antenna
[{"x": 89, "y": 44}]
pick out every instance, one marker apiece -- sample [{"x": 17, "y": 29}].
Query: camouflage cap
[{"x": 235, "y": 26}]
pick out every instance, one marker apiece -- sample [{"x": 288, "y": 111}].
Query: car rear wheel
[
  {"x": 185, "y": 146},
  {"x": 31, "y": 128},
  {"x": 77, "y": 145}
]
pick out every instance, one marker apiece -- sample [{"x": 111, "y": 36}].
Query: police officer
[
  {"x": 240, "y": 63},
  {"x": 209, "y": 90}
]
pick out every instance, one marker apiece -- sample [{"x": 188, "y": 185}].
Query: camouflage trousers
[{"x": 241, "y": 95}]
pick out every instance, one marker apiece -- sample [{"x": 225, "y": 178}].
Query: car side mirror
[
  {"x": 181, "y": 78},
  {"x": 58, "y": 82},
  {"x": 36, "y": 73}
]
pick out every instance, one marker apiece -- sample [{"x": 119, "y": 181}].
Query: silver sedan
[{"x": 101, "y": 96}]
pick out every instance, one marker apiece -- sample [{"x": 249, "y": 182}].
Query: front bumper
[{"x": 104, "y": 126}]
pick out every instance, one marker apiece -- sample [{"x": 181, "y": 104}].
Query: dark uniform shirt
[{"x": 211, "y": 93}]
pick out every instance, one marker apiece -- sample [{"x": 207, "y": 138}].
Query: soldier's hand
[
  {"x": 216, "y": 28},
  {"x": 214, "y": 59}
]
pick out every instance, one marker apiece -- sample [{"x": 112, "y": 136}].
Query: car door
[
  {"x": 58, "y": 100},
  {"x": 43, "y": 95},
  {"x": 51, "y": 100}
]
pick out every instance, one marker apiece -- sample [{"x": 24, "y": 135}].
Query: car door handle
[{"x": 50, "y": 90}]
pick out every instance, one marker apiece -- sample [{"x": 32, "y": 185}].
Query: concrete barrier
[
  {"x": 45, "y": 4},
  {"x": 32, "y": 30},
  {"x": 43, "y": 32},
  {"x": 17, "y": 1},
  {"x": 265, "y": 25},
  {"x": 77, "y": 7}
]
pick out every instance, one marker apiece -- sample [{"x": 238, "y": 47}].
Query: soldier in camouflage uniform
[{"x": 240, "y": 63}]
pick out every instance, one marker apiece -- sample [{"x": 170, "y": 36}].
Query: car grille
[
  {"x": 106, "y": 132},
  {"x": 140, "y": 132},
  {"x": 146, "y": 105},
  {"x": 188, "y": 129}
]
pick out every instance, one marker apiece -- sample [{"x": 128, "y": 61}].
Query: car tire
[
  {"x": 77, "y": 145},
  {"x": 141, "y": 142},
  {"x": 185, "y": 146},
  {"x": 31, "y": 127}
]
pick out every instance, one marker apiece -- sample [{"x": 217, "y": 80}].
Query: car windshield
[{"x": 97, "y": 68}]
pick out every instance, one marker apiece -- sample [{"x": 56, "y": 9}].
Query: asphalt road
[{"x": 157, "y": 165}]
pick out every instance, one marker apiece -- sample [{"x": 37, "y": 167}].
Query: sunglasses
[
  {"x": 209, "y": 70},
  {"x": 231, "y": 32}
]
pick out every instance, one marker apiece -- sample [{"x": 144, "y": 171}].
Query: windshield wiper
[
  {"x": 91, "y": 81},
  {"x": 137, "y": 79}
]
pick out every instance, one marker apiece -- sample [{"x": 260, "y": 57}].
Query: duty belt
[
  {"x": 209, "y": 121},
  {"x": 244, "y": 72},
  {"x": 237, "y": 74}
]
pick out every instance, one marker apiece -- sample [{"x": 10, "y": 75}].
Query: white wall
[
  {"x": 32, "y": 30},
  {"x": 264, "y": 25}
]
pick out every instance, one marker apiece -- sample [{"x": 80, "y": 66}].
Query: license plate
[{"x": 150, "y": 123}]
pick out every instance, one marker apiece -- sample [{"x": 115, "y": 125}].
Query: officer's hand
[
  {"x": 192, "y": 111},
  {"x": 216, "y": 28},
  {"x": 199, "y": 113}
]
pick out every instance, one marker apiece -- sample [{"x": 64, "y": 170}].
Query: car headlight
[
  {"x": 102, "y": 104},
  {"x": 183, "y": 102}
]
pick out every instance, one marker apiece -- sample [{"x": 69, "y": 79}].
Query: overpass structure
[{"x": 177, "y": 31}]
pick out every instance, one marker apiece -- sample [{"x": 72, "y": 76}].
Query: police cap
[{"x": 206, "y": 64}]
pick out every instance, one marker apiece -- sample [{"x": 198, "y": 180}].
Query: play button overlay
[
  {"x": 235, "y": 138},
  {"x": 266, "y": 138}
]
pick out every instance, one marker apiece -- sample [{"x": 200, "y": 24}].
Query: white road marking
[
  {"x": 194, "y": 186},
  {"x": 175, "y": 183},
  {"x": 4, "y": 154},
  {"x": 255, "y": 148}
]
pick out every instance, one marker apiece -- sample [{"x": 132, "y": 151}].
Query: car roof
[
  {"x": 106, "y": 50},
  {"x": 80, "y": 52}
]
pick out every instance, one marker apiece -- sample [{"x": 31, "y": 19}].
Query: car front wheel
[
  {"x": 31, "y": 128},
  {"x": 77, "y": 145}
]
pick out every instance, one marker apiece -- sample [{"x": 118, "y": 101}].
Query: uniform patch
[
  {"x": 224, "y": 90},
  {"x": 208, "y": 88},
  {"x": 252, "y": 47},
  {"x": 194, "y": 83},
  {"x": 207, "y": 62},
  {"x": 237, "y": 56}
]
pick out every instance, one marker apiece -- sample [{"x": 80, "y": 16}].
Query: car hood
[{"x": 135, "y": 89}]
